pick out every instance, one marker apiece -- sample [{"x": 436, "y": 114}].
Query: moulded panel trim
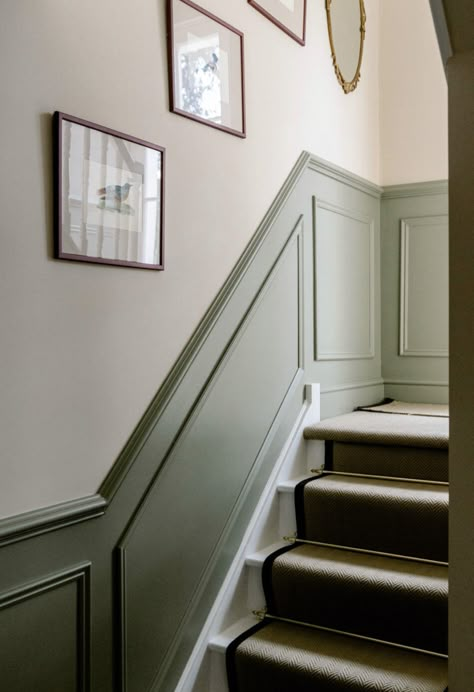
[
  {"x": 433, "y": 187},
  {"x": 81, "y": 575},
  {"x": 296, "y": 236},
  {"x": 306, "y": 161},
  {"x": 198, "y": 340},
  {"x": 417, "y": 383},
  {"x": 320, "y": 355},
  {"x": 51, "y": 518},
  {"x": 351, "y": 386},
  {"x": 330, "y": 170},
  {"x": 407, "y": 225}
]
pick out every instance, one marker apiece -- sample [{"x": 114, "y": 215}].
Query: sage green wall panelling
[
  {"x": 182, "y": 492},
  {"x": 415, "y": 291},
  {"x": 44, "y": 634},
  {"x": 344, "y": 283}
]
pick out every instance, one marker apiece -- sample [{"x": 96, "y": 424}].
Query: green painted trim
[
  {"x": 416, "y": 383},
  {"x": 407, "y": 225},
  {"x": 80, "y": 574},
  {"x": 433, "y": 187},
  {"x": 330, "y": 170},
  {"x": 120, "y": 569},
  {"x": 141, "y": 433},
  {"x": 241, "y": 326},
  {"x": 352, "y": 385},
  {"x": 131, "y": 450},
  {"x": 38, "y": 521},
  {"x": 442, "y": 31}
]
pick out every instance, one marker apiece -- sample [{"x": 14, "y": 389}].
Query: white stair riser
[
  {"x": 242, "y": 590},
  {"x": 314, "y": 454}
]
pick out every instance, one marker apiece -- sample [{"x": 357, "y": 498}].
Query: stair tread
[
  {"x": 383, "y": 428},
  {"x": 292, "y": 658},
  {"x": 389, "y": 516},
  {"x": 382, "y": 597},
  {"x": 375, "y": 570},
  {"x": 390, "y": 487}
]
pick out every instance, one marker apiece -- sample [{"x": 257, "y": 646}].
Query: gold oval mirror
[{"x": 346, "y": 28}]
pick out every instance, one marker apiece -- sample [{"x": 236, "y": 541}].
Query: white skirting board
[{"x": 241, "y": 592}]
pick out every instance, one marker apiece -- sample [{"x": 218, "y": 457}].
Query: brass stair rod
[
  {"x": 263, "y": 615},
  {"x": 366, "y": 551},
  {"x": 328, "y": 472}
]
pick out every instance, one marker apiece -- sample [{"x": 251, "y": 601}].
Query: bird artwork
[
  {"x": 112, "y": 197},
  {"x": 212, "y": 64}
]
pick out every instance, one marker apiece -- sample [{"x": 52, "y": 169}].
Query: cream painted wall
[
  {"x": 413, "y": 91},
  {"x": 85, "y": 348}
]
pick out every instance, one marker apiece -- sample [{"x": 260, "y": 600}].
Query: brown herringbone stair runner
[{"x": 359, "y": 601}]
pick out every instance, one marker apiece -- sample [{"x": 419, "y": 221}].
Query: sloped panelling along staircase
[{"x": 358, "y": 600}]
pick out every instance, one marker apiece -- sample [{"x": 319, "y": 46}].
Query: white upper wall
[
  {"x": 414, "y": 98},
  {"x": 84, "y": 348}
]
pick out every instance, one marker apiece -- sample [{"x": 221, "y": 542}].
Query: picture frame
[
  {"x": 206, "y": 68},
  {"x": 109, "y": 195},
  {"x": 288, "y": 15}
]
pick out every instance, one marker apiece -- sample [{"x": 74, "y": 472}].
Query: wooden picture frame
[
  {"x": 287, "y": 15},
  {"x": 206, "y": 68},
  {"x": 109, "y": 196}
]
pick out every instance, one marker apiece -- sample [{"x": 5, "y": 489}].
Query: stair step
[
  {"x": 287, "y": 657},
  {"x": 363, "y": 427},
  {"x": 388, "y": 460},
  {"x": 390, "y": 516},
  {"x": 379, "y": 597}
]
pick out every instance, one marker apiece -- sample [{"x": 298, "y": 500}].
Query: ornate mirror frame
[{"x": 347, "y": 86}]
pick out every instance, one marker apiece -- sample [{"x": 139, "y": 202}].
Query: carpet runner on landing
[{"x": 358, "y": 600}]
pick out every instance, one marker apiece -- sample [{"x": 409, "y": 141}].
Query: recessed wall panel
[
  {"x": 44, "y": 635},
  {"x": 344, "y": 283},
  {"x": 424, "y": 288}
]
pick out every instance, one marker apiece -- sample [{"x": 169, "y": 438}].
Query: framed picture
[
  {"x": 206, "y": 67},
  {"x": 109, "y": 192},
  {"x": 288, "y": 15}
]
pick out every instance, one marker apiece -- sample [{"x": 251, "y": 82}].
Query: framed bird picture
[
  {"x": 109, "y": 195},
  {"x": 288, "y": 15},
  {"x": 206, "y": 68}
]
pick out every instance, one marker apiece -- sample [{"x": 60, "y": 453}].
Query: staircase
[{"x": 357, "y": 600}]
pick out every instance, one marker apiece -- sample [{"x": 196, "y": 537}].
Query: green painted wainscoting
[
  {"x": 109, "y": 593},
  {"x": 415, "y": 291}
]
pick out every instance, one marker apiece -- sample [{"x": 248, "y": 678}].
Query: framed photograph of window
[
  {"x": 288, "y": 15},
  {"x": 109, "y": 195},
  {"x": 206, "y": 68}
]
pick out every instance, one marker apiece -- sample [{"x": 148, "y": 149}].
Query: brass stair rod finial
[{"x": 260, "y": 614}]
